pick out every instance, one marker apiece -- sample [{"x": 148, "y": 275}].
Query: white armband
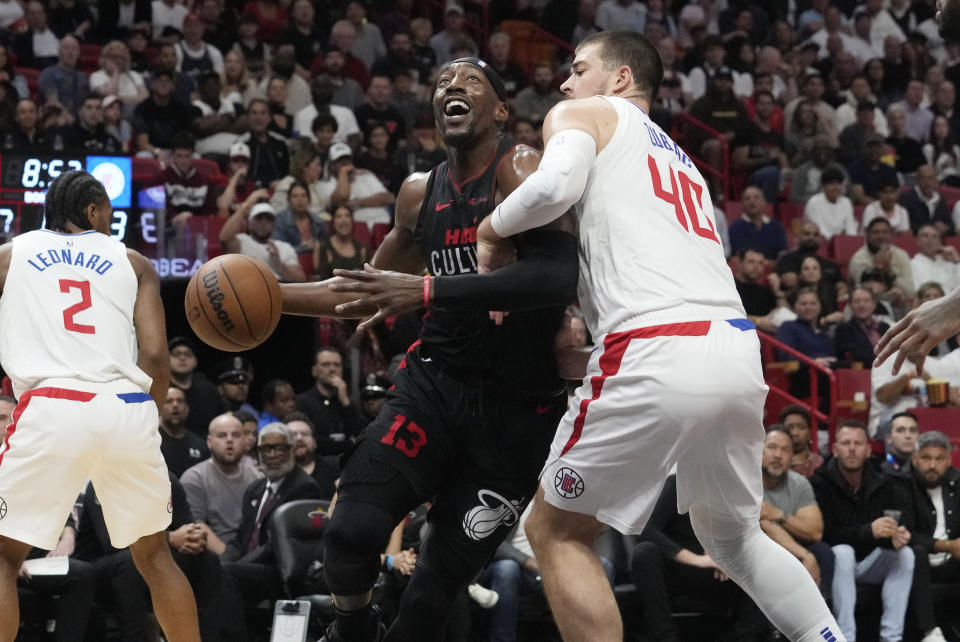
[{"x": 553, "y": 188}]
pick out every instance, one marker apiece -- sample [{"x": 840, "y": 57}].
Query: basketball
[{"x": 233, "y": 302}]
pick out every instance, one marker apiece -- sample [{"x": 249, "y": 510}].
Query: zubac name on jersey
[{"x": 63, "y": 255}]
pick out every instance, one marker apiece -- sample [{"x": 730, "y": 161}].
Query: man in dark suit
[
  {"x": 250, "y": 574},
  {"x": 935, "y": 486},
  {"x": 856, "y": 338},
  {"x": 925, "y": 204}
]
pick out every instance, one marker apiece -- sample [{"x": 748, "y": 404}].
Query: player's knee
[
  {"x": 845, "y": 559},
  {"x": 352, "y": 544}
]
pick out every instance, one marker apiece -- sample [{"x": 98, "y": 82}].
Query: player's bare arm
[
  {"x": 915, "y": 335},
  {"x": 150, "y": 325},
  {"x": 548, "y": 258},
  {"x": 575, "y": 131},
  {"x": 398, "y": 253}
]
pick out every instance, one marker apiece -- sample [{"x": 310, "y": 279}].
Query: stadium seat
[
  {"x": 951, "y": 195},
  {"x": 89, "y": 64},
  {"x": 146, "y": 171},
  {"x": 380, "y": 231},
  {"x": 905, "y": 242},
  {"x": 843, "y": 247},
  {"x": 90, "y": 50},
  {"x": 858, "y": 213},
  {"x": 789, "y": 214},
  {"x": 210, "y": 168},
  {"x": 208, "y": 226},
  {"x": 296, "y": 531},
  {"x": 853, "y": 393},
  {"x": 361, "y": 232},
  {"x": 947, "y": 421},
  {"x": 306, "y": 262}
]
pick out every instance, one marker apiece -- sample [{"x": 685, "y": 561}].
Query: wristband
[
  {"x": 389, "y": 562},
  {"x": 426, "y": 291}
]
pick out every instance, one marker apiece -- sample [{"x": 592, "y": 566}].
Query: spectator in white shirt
[
  {"x": 258, "y": 218},
  {"x": 714, "y": 53},
  {"x": 882, "y": 24},
  {"x": 167, "y": 13},
  {"x": 935, "y": 262},
  {"x": 887, "y": 207},
  {"x": 829, "y": 208},
  {"x": 357, "y": 188}
]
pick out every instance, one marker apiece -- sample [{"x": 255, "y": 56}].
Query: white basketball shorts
[
  {"x": 689, "y": 394},
  {"x": 59, "y": 438}
]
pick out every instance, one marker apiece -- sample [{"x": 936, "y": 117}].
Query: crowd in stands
[{"x": 286, "y": 128}]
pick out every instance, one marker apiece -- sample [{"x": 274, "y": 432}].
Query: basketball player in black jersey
[{"x": 475, "y": 404}]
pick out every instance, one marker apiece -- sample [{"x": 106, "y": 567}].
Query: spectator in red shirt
[{"x": 271, "y": 16}]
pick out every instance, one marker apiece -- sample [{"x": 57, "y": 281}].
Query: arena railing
[
  {"x": 681, "y": 124},
  {"x": 812, "y": 404}
]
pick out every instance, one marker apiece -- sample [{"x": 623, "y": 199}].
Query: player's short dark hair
[
  {"x": 905, "y": 413},
  {"x": 929, "y": 285},
  {"x": 854, "y": 423},
  {"x": 68, "y": 197},
  {"x": 795, "y": 409},
  {"x": 183, "y": 140},
  {"x": 269, "y": 391},
  {"x": 316, "y": 353},
  {"x": 778, "y": 427},
  {"x": 299, "y": 416},
  {"x": 763, "y": 92},
  {"x": 324, "y": 119},
  {"x": 633, "y": 50},
  {"x": 878, "y": 221},
  {"x": 889, "y": 183},
  {"x": 244, "y": 417}
]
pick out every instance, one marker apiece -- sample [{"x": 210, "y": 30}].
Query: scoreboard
[{"x": 24, "y": 180}]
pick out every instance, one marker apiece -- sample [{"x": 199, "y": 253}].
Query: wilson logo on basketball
[
  {"x": 481, "y": 521},
  {"x": 211, "y": 281}
]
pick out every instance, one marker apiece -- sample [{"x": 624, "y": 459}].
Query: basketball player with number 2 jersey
[
  {"x": 82, "y": 338},
  {"x": 675, "y": 378}
]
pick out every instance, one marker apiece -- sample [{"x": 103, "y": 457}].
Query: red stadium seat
[
  {"x": 208, "y": 226},
  {"x": 146, "y": 171},
  {"x": 380, "y": 231},
  {"x": 788, "y": 213},
  {"x": 362, "y": 233},
  {"x": 210, "y": 169},
  {"x": 853, "y": 393},
  {"x": 858, "y": 213},
  {"x": 905, "y": 242},
  {"x": 951, "y": 195},
  {"x": 946, "y": 420},
  {"x": 90, "y": 50},
  {"x": 843, "y": 247},
  {"x": 306, "y": 262}
]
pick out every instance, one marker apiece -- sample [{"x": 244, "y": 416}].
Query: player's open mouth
[{"x": 456, "y": 110}]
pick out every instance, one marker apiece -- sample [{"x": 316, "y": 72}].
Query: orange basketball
[{"x": 233, "y": 302}]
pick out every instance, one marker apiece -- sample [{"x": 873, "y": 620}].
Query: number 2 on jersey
[
  {"x": 66, "y": 285},
  {"x": 688, "y": 187}
]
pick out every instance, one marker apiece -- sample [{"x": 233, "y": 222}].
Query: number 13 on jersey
[{"x": 682, "y": 191}]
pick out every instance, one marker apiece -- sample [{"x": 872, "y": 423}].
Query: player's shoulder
[
  {"x": 410, "y": 198},
  {"x": 590, "y": 108},
  {"x": 520, "y": 155},
  {"x": 141, "y": 265}
]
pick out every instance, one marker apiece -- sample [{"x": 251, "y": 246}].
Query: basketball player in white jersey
[
  {"x": 676, "y": 378},
  {"x": 82, "y": 338}
]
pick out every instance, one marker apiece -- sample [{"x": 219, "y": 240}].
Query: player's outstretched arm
[
  {"x": 915, "y": 335},
  {"x": 571, "y": 134},
  {"x": 398, "y": 252},
  {"x": 544, "y": 275},
  {"x": 150, "y": 325}
]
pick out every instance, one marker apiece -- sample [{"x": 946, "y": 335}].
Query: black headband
[{"x": 488, "y": 71}]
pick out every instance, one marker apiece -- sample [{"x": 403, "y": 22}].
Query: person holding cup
[{"x": 868, "y": 546}]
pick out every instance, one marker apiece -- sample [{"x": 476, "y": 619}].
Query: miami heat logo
[
  {"x": 568, "y": 482},
  {"x": 480, "y": 521}
]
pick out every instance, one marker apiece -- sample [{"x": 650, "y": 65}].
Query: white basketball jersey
[
  {"x": 66, "y": 311},
  {"x": 648, "y": 243}
]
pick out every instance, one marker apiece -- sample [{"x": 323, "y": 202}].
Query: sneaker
[
  {"x": 486, "y": 598},
  {"x": 934, "y": 635}
]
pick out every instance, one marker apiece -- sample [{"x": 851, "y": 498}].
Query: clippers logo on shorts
[
  {"x": 481, "y": 521},
  {"x": 569, "y": 483},
  {"x": 3, "y": 508}
]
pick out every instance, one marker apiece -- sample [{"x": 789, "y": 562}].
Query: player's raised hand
[
  {"x": 389, "y": 292},
  {"x": 916, "y": 334}
]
